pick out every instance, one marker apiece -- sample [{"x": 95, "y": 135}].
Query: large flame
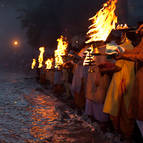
[
  {"x": 103, "y": 22},
  {"x": 61, "y": 51},
  {"x": 33, "y": 64},
  {"x": 40, "y": 59},
  {"x": 49, "y": 63}
]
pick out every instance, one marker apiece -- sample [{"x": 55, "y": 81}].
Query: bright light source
[{"x": 15, "y": 43}]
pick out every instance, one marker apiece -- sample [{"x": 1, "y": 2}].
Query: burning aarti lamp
[{"x": 89, "y": 61}]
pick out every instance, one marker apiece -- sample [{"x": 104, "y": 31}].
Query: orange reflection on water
[{"x": 43, "y": 117}]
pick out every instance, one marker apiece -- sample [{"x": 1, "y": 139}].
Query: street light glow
[{"x": 16, "y": 43}]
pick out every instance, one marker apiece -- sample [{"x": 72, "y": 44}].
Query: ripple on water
[{"x": 28, "y": 116}]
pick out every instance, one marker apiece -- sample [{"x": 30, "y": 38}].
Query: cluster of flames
[
  {"x": 102, "y": 24},
  {"x": 61, "y": 51}
]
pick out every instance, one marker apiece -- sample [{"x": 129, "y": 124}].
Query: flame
[
  {"x": 49, "y": 63},
  {"x": 103, "y": 22},
  {"x": 33, "y": 64},
  {"x": 40, "y": 59},
  {"x": 88, "y": 52},
  {"x": 122, "y": 26},
  {"x": 61, "y": 51},
  {"x": 96, "y": 51}
]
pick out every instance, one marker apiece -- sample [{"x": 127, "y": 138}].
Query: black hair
[{"x": 114, "y": 36}]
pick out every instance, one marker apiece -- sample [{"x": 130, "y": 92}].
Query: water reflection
[
  {"x": 43, "y": 116},
  {"x": 28, "y": 116},
  {"x": 47, "y": 125}
]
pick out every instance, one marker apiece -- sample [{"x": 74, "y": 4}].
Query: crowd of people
[{"x": 111, "y": 89}]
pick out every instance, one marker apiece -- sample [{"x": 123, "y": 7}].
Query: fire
[
  {"x": 103, "y": 22},
  {"x": 33, "y": 64},
  {"x": 40, "y": 59},
  {"x": 122, "y": 26},
  {"x": 96, "y": 51},
  {"x": 49, "y": 63},
  {"x": 89, "y": 58},
  {"x": 61, "y": 51}
]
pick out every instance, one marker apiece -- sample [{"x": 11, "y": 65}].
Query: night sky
[{"x": 10, "y": 29}]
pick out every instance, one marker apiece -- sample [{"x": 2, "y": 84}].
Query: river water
[{"x": 29, "y": 115}]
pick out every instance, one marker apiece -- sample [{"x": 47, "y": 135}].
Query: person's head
[{"x": 118, "y": 36}]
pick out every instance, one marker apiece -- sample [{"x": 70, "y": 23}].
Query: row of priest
[
  {"x": 105, "y": 77},
  {"x": 111, "y": 88}
]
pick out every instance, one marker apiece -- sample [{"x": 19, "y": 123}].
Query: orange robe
[{"x": 119, "y": 93}]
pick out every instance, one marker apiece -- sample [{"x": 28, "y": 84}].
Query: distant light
[{"x": 16, "y": 43}]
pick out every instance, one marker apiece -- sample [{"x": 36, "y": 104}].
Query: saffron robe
[
  {"x": 121, "y": 85},
  {"x": 136, "y": 104}
]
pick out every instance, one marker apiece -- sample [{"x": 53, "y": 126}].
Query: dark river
[{"x": 28, "y": 115}]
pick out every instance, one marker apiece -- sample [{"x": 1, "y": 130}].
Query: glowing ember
[
  {"x": 61, "y": 51},
  {"x": 122, "y": 26},
  {"x": 33, "y": 64},
  {"x": 89, "y": 58},
  {"x": 103, "y": 22},
  {"x": 49, "y": 63},
  {"x": 40, "y": 59}
]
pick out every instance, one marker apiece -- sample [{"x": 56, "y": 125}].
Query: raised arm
[{"x": 134, "y": 55}]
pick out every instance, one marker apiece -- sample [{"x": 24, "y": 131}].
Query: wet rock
[
  {"x": 39, "y": 89},
  {"x": 72, "y": 133}
]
